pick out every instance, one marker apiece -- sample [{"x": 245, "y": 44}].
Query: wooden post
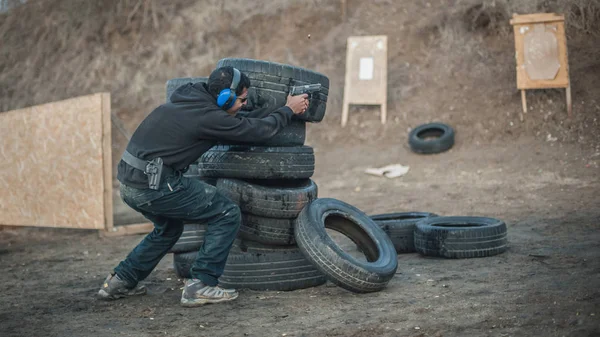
[
  {"x": 345, "y": 113},
  {"x": 141, "y": 228},
  {"x": 524, "y": 102},
  {"x": 569, "y": 104}
]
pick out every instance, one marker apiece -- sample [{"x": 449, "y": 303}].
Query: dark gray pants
[{"x": 180, "y": 199}]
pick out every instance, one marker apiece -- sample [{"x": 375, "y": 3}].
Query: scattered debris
[{"x": 389, "y": 171}]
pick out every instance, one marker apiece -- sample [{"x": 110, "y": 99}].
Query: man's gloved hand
[{"x": 298, "y": 103}]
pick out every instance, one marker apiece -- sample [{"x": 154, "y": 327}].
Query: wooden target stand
[
  {"x": 541, "y": 55},
  {"x": 366, "y": 74}
]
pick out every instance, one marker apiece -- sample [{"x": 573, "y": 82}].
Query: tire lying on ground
[
  {"x": 254, "y": 266},
  {"x": 420, "y": 140},
  {"x": 460, "y": 236},
  {"x": 271, "y": 81},
  {"x": 191, "y": 239},
  {"x": 256, "y": 162},
  {"x": 340, "y": 267},
  {"x": 400, "y": 228},
  {"x": 269, "y": 198}
]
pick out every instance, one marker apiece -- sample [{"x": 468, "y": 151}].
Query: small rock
[{"x": 417, "y": 328}]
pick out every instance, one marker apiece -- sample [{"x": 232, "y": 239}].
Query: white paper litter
[{"x": 389, "y": 171}]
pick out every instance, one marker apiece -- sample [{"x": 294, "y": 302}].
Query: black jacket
[{"x": 181, "y": 130}]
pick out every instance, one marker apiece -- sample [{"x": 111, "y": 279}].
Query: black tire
[
  {"x": 443, "y": 141},
  {"x": 182, "y": 262},
  {"x": 269, "y": 231},
  {"x": 271, "y": 81},
  {"x": 341, "y": 268},
  {"x": 192, "y": 172},
  {"x": 269, "y": 198},
  {"x": 258, "y": 267},
  {"x": 460, "y": 237},
  {"x": 400, "y": 227},
  {"x": 256, "y": 162},
  {"x": 191, "y": 239},
  {"x": 294, "y": 134},
  {"x": 175, "y": 83}
]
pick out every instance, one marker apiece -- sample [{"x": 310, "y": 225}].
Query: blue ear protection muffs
[{"x": 227, "y": 97}]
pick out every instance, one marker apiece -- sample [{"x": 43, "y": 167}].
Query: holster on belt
[{"x": 152, "y": 168}]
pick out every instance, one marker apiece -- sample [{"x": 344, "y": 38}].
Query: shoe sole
[
  {"x": 200, "y": 302},
  {"x": 103, "y": 295}
]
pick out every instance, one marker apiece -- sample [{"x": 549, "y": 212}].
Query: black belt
[{"x": 154, "y": 169}]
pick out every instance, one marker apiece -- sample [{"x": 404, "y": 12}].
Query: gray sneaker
[
  {"x": 196, "y": 293},
  {"x": 114, "y": 288}
]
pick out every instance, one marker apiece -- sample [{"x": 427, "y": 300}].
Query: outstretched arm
[{"x": 219, "y": 125}]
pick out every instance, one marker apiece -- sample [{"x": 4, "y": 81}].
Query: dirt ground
[
  {"x": 546, "y": 284},
  {"x": 448, "y": 61}
]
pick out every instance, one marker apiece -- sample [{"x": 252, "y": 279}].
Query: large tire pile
[{"x": 269, "y": 182}]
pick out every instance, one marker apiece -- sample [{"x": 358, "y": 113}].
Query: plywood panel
[
  {"x": 366, "y": 74},
  {"x": 522, "y": 28},
  {"x": 53, "y": 169},
  {"x": 366, "y": 70}
]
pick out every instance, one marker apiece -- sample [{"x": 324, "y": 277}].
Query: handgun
[
  {"x": 305, "y": 89},
  {"x": 154, "y": 170}
]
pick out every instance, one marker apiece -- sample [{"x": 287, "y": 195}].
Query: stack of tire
[
  {"x": 444, "y": 236},
  {"x": 270, "y": 182}
]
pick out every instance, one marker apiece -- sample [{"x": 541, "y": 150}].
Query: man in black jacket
[{"x": 168, "y": 140}]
